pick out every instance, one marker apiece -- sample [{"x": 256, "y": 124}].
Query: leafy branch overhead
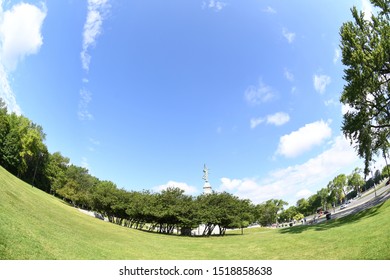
[{"x": 365, "y": 49}]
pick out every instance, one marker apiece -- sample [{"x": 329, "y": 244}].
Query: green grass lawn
[{"x": 36, "y": 225}]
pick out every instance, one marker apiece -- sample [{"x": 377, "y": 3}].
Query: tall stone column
[{"x": 206, "y": 187}]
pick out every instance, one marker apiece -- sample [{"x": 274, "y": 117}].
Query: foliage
[
  {"x": 386, "y": 171},
  {"x": 355, "y": 181},
  {"x": 337, "y": 187},
  {"x": 267, "y": 212},
  {"x": 366, "y": 54}
]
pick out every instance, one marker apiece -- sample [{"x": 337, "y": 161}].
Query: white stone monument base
[{"x": 207, "y": 188}]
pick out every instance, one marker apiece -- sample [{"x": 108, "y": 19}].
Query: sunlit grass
[{"x": 35, "y": 225}]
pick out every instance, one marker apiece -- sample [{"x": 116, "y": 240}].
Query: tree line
[{"x": 24, "y": 153}]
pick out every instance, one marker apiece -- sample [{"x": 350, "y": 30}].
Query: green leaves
[{"x": 366, "y": 54}]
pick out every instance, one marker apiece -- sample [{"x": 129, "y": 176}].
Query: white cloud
[
  {"x": 85, "y": 99},
  {"x": 367, "y": 9},
  {"x": 278, "y": 119},
  {"x": 20, "y": 36},
  {"x": 215, "y": 5},
  {"x": 189, "y": 190},
  {"x": 260, "y": 94},
  {"x": 321, "y": 82},
  {"x": 337, "y": 54},
  {"x": 256, "y": 121},
  {"x": 290, "y": 36},
  {"x": 345, "y": 108},
  {"x": 305, "y": 193},
  {"x": 7, "y": 94},
  {"x": 97, "y": 9},
  {"x": 294, "y": 182},
  {"x": 289, "y": 76},
  {"x": 269, "y": 10},
  {"x": 20, "y": 33},
  {"x": 304, "y": 139},
  {"x": 330, "y": 102}
]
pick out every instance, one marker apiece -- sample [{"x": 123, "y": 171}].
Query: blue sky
[{"x": 143, "y": 93}]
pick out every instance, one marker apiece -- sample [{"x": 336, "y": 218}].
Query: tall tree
[
  {"x": 268, "y": 212},
  {"x": 56, "y": 171},
  {"x": 355, "y": 180},
  {"x": 365, "y": 49},
  {"x": 338, "y": 185}
]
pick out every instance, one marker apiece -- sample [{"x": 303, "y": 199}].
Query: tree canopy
[{"x": 365, "y": 49}]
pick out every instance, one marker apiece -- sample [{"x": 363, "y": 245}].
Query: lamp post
[
  {"x": 373, "y": 179},
  {"x": 374, "y": 184}
]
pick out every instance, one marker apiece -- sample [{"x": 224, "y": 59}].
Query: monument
[{"x": 206, "y": 187}]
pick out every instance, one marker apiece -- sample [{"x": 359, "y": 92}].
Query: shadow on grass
[{"x": 355, "y": 216}]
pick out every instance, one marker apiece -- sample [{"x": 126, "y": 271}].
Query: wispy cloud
[
  {"x": 277, "y": 119},
  {"x": 20, "y": 36},
  {"x": 97, "y": 10},
  {"x": 321, "y": 82},
  {"x": 304, "y": 139},
  {"x": 290, "y": 36},
  {"x": 85, "y": 99},
  {"x": 269, "y": 10},
  {"x": 337, "y": 54},
  {"x": 289, "y": 76},
  {"x": 260, "y": 94},
  {"x": 7, "y": 94},
  {"x": 93, "y": 143},
  {"x": 256, "y": 122},
  {"x": 214, "y": 5},
  {"x": 297, "y": 181}
]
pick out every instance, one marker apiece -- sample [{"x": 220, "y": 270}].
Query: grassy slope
[{"x": 35, "y": 225}]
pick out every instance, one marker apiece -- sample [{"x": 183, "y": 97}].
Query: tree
[
  {"x": 355, "y": 181},
  {"x": 267, "y": 213},
  {"x": 56, "y": 171},
  {"x": 315, "y": 202},
  {"x": 78, "y": 187},
  {"x": 323, "y": 194},
  {"x": 386, "y": 171},
  {"x": 303, "y": 206},
  {"x": 338, "y": 186},
  {"x": 223, "y": 211},
  {"x": 173, "y": 209},
  {"x": 4, "y": 128},
  {"x": 377, "y": 176},
  {"x": 103, "y": 198},
  {"x": 289, "y": 214},
  {"x": 365, "y": 49}
]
